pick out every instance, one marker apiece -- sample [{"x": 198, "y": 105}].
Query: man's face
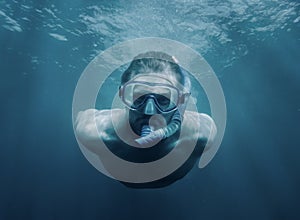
[{"x": 153, "y": 99}]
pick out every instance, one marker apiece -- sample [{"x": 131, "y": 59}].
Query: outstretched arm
[
  {"x": 90, "y": 127},
  {"x": 209, "y": 129},
  {"x": 201, "y": 127},
  {"x": 85, "y": 125},
  {"x": 210, "y": 147}
]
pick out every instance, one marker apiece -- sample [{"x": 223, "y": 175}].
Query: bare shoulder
[
  {"x": 92, "y": 123},
  {"x": 199, "y": 124}
]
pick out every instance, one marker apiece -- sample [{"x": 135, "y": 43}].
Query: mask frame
[{"x": 182, "y": 95}]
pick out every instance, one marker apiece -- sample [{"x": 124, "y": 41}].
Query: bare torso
[{"x": 111, "y": 126}]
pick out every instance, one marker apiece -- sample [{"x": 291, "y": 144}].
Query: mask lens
[{"x": 135, "y": 95}]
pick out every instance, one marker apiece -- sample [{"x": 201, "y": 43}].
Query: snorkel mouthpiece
[
  {"x": 146, "y": 130},
  {"x": 148, "y": 136}
]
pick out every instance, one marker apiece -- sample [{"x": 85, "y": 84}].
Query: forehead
[{"x": 157, "y": 78}]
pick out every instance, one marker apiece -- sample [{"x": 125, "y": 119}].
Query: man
[{"x": 155, "y": 92}]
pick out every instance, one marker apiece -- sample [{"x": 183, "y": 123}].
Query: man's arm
[
  {"x": 202, "y": 127},
  {"x": 90, "y": 127},
  {"x": 199, "y": 126},
  {"x": 211, "y": 132},
  {"x": 209, "y": 129}
]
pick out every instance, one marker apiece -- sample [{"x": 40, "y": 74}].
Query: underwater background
[{"x": 253, "y": 47}]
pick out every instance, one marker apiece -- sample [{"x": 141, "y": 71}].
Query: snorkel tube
[{"x": 148, "y": 136}]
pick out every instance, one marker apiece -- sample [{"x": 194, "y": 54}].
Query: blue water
[{"x": 254, "y": 48}]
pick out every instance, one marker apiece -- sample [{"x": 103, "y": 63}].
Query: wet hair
[{"x": 156, "y": 62}]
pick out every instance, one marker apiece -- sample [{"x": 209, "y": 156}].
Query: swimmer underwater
[{"x": 155, "y": 92}]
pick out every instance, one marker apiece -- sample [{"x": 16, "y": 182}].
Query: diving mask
[{"x": 136, "y": 92}]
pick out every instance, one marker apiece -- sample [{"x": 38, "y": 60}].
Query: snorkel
[{"x": 149, "y": 136}]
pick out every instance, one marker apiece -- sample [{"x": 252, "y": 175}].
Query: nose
[{"x": 150, "y": 108}]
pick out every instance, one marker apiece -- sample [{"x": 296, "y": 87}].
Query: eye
[
  {"x": 138, "y": 101},
  {"x": 162, "y": 100}
]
